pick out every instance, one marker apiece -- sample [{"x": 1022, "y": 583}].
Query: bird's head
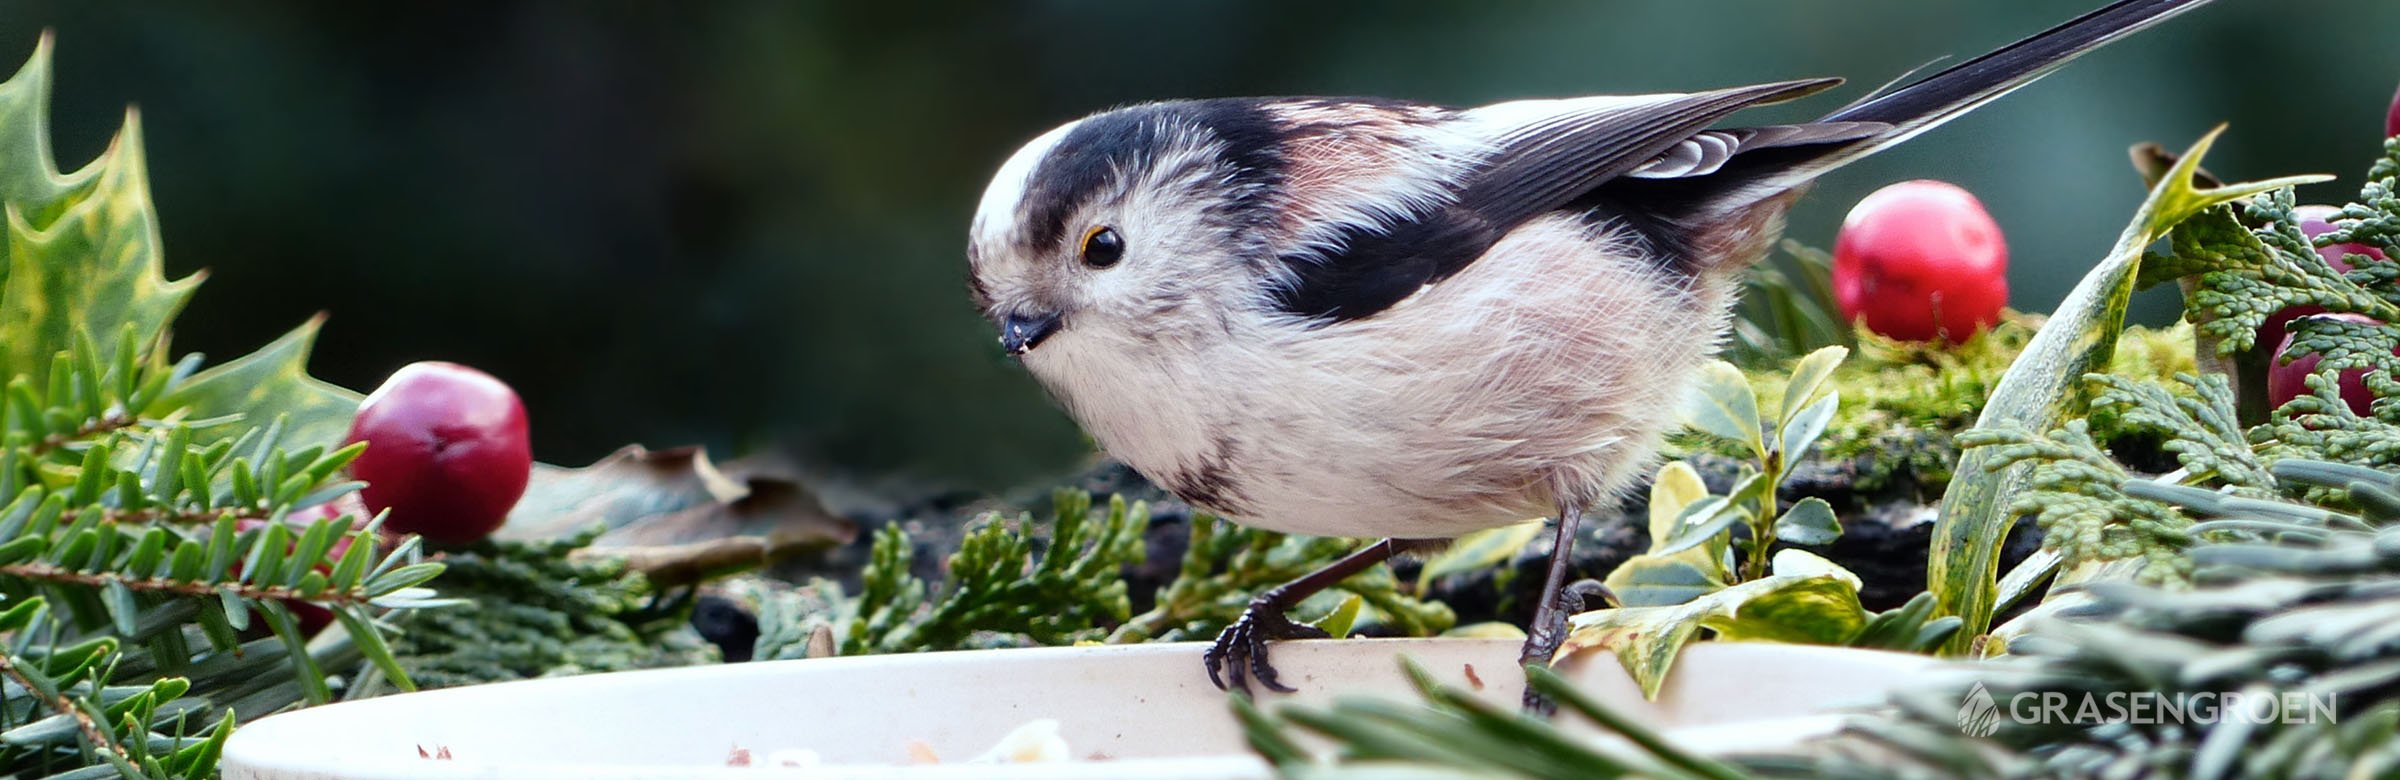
[{"x": 1143, "y": 223}]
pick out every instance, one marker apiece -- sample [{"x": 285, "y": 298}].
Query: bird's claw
[
  {"x": 1241, "y": 649},
  {"x": 1549, "y": 630}
]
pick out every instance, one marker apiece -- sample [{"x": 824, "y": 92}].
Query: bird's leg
[
  {"x": 1559, "y": 600},
  {"x": 1242, "y": 648}
]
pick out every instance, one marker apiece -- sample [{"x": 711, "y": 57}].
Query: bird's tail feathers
[{"x": 1925, "y": 103}]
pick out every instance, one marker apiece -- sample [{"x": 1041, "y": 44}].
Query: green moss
[{"x": 1903, "y": 402}]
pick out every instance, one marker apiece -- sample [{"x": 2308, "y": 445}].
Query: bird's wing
[
  {"x": 1706, "y": 152},
  {"x": 1537, "y": 156},
  {"x": 1548, "y": 153}
]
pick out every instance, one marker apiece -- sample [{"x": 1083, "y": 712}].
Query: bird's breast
[{"x": 1545, "y": 371}]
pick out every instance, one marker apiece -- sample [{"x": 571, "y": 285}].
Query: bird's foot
[
  {"x": 1241, "y": 650},
  {"x": 1549, "y": 630}
]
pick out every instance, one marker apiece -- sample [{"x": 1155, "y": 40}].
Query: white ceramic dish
[{"x": 1124, "y": 711}]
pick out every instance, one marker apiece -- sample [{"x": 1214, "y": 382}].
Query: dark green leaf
[
  {"x": 1725, "y": 408},
  {"x": 1801, "y": 432},
  {"x": 1809, "y": 522},
  {"x": 1808, "y": 376},
  {"x": 1699, "y": 522}
]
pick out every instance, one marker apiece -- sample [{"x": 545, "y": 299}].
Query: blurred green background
[{"x": 741, "y": 223}]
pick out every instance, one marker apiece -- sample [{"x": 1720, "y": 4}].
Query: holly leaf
[
  {"x": 84, "y": 261},
  {"x": 83, "y": 255},
  {"x": 271, "y": 381},
  {"x": 30, "y": 181}
]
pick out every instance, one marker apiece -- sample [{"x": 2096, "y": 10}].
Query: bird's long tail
[{"x": 1922, "y": 104}]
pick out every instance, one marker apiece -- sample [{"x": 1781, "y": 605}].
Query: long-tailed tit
[{"x": 1384, "y": 319}]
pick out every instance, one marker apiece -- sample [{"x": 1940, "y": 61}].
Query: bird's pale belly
[{"x": 1533, "y": 379}]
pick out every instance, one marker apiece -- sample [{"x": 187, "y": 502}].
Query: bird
[{"x": 1394, "y": 320}]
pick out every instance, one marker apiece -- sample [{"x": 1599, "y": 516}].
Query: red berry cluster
[{"x": 2287, "y": 380}]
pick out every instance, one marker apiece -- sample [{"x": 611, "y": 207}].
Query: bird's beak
[{"x": 1020, "y": 333}]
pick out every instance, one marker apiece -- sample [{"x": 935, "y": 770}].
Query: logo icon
[{"x": 1978, "y": 715}]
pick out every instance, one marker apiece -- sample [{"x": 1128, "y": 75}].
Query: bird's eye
[{"x": 1102, "y": 247}]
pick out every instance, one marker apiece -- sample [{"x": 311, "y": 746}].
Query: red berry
[
  {"x": 2315, "y": 220},
  {"x": 2286, "y": 381},
  {"x": 2391, "y": 121},
  {"x": 1921, "y": 261},
  {"x": 447, "y": 452}
]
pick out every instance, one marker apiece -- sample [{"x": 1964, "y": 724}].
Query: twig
[
  {"x": 50, "y": 572},
  {"x": 92, "y": 732},
  {"x": 92, "y": 427}
]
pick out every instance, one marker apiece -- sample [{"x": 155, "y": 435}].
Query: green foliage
[
  {"x": 2298, "y": 602},
  {"x": 2073, "y": 489},
  {"x": 544, "y": 609},
  {"x": 2073, "y": 486},
  {"x": 2198, "y": 427},
  {"x": 61, "y": 707},
  {"x": 1457, "y": 735},
  {"x": 1662, "y": 577},
  {"x": 1008, "y": 585},
  {"x": 1806, "y": 599},
  {"x": 1903, "y": 403},
  {"x": 2073, "y": 493},
  {"x": 2238, "y": 269},
  {"x": 1727, "y": 408},
  {"x": 996, "y": 584},
  {"x": 2043, "y": 389},
  {"x": 2237, "y": 273},
  {"x": 1787, "y": 309},
  {"x": 84, "y": 262},
  {"x": 1687, "y": 582},
  {"x": 1224, "y": 565},
  {"x": 2244, "y": 275},
  {"x": 2323, "y": 426},
  {"x": 2300, "y": 605},
  {"x": 148, "y": 555}
]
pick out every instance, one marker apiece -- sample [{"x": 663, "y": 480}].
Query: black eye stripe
[{"x": 1102, "y": 247}]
